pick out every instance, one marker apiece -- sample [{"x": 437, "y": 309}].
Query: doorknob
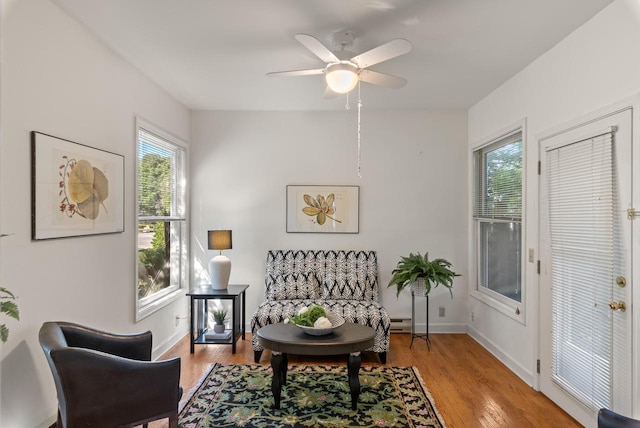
[{"x": 618, "y": 306}]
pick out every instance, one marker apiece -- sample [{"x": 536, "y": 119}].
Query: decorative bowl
[{"x": 336, "y": 321}]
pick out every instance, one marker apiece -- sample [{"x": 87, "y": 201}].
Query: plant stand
[{"x": 414, "y": 335}]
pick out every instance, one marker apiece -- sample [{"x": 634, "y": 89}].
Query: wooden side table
[{"x": 199, "y": 320}]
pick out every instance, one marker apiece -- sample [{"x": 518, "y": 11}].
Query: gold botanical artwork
[
  {"x": 83, "y": 188},
  {"x": 320, "y": 207}
]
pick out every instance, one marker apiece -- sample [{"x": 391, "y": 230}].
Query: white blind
[
  {"x": 498, "y": 188},
  {"x": 582, "y": 197},
  {"x": 161, "y": 176}
]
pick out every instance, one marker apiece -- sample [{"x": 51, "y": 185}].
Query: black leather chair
[
  {"x": 109, "y": 380},
  {"x": 609, "y": 419}
]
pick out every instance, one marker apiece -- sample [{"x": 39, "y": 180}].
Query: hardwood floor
[{"x": 469, "y": 386}]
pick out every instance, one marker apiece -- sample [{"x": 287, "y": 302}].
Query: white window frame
[
  {"x": 147, "y": 305},
  {"x": 509, "y": 307}
]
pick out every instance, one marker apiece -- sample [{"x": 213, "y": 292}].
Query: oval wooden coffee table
[{"x": 283, "y": 339}]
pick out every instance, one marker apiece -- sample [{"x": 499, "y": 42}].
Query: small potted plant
[
  {"x": 220, "y": 317},
  {"x": 421, "y": 274}
]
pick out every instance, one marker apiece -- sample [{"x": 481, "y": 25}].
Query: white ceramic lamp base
[{"x": 219, "y": 271}]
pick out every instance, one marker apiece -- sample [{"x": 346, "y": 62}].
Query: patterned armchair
[{"x": 344, "y": 282}]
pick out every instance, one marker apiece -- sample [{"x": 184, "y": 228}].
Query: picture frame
[
  {"x": 323, "y": 209},
  {"x": 76, "y": 190}
]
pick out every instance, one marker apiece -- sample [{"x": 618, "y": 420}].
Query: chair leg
[
  {"x": 256, "y": 356},
  {"x": 173, "y": 420},
  {"x": 383, "y": 357}
]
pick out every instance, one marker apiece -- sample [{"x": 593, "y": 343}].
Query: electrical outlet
[
  {"x": 473, "y": 317},
  {"x": 177, "y": 319},
  {"x": 441, "y": 311}
]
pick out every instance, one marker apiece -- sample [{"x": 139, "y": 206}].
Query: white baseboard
[
  {"x": 50, "y": 421},
  {"x": 167, "y": 344},
  {"x": 441, "y": 328},
  {"x": 526, "y": 375}
]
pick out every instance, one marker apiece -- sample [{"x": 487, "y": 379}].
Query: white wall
[
  {"x": 411, "y": 191},
  {"x": 58, "y": 79},
  {"x": 594, "y": 67}
]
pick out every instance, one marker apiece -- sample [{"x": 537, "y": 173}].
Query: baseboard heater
[{"x": 400, "y": 325}]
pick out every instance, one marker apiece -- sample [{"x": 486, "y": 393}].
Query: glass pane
[
  {"x": 500, "y": 260},
  {"x": 504, "y": 181},
  {"x": 157, "y": 246},
  {"x": 155, "y": 187}
]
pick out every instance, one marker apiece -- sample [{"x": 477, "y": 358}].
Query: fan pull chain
[
  {"x": 359, "y": 108},
  {"x": 347, "y": 106}
]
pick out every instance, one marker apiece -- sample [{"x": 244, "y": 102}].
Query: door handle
[{"x": 618, "y": 306}]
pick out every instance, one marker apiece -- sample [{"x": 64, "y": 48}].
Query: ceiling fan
[{"x": 344, "y": 69}]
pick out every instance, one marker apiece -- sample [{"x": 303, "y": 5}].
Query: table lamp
[{"x": 219, "y": 266}]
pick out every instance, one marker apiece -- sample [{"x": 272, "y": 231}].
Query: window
[
  {"x": 162, "y": 225},
  {"x": 498, "y": 218}
]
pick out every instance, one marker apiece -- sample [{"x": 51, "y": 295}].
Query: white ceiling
[{"x": 214, "y": 54}]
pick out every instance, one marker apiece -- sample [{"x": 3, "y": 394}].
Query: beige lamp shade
[{"x": 220, "y": 240}]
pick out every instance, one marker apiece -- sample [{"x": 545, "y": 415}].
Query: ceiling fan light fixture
[{"x": 342, "y": 77}]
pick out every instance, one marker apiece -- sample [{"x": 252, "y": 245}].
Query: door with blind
[{"x": 585, "y": 276}]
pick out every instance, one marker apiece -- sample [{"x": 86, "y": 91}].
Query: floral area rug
[{"x": 314, "y": 396}]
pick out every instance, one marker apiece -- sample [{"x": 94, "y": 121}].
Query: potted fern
[
  {"x": 220, "y": 317},
  {"x": 421, "y": 274},
  {"x": 7, "y": 307}
]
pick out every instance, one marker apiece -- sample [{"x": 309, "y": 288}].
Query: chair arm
[
  {"x": 51, "y": 337},
  {"x": 111, "y": 389},
  {"x": 610, "y": 419},
  {"x": 135, "y": 346}
]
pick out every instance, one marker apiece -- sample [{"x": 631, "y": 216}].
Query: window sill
[
  {"x": 509, "y": 310},
  {"x": 154, "y": 306}
]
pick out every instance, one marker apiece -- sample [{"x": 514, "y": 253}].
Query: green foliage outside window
[
  {"x": 153, "y": 264},
  {"x": 504, "y": 181},
  {"x": 154, "y": 194},
  {"x": 154, "y": 185}
]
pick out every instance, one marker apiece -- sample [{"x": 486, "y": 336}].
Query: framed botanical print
[
  {"x": 322, "y": 209},
  {"x": 76, "y": 190}
]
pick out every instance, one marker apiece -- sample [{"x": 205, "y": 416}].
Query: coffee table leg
[
  {"x": 353, "y": 367},
  {"x": 276, "y": 381},
  {"x": 285, "y": 367}
]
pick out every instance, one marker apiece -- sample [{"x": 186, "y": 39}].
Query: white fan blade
[
  {"x": 329, "y": 94},
  {"x": 314, "y": 45},
  {"x": 297, "y": 72},
  {"x": 381, "y": 79},
  {"x": 382, "y": 53}
]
